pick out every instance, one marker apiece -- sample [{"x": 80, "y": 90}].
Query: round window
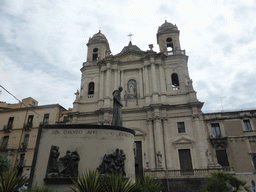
[{"x": 95, "y": 49}]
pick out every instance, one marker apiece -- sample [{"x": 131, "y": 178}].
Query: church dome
[
  {"x": 98, "y": 38},
  {"x": 130, "y": 47},
  {"x": 167, "y": 27}
]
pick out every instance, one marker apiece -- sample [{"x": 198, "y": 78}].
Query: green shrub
[
  {"x": 117, "y": 183},
  {"x": 89, "y": 181},
  {"x": 147, "y": 184},
  {"x": 40, "y": 189},
  {"x": 223, "y": 182},
  {"x": 92, "y": 181},
  {"x": 5, "y": 164},
  {"x": 10, "y": 181}
]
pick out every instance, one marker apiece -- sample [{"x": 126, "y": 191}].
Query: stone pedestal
[{"x": 91, "y": 142}]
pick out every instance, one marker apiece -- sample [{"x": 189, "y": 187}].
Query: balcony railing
[
  {"x": 7, "y": 128},
  {"x": 176, "y": 52},
  {"x": 20, "y": 163},
  {"x": 186, "y": 173},
  {"x": 43, "y": 123},
  {"x": 23, "y": 147},
  {"x": 3, "y": 149},
  {"x": 28, "y": 126}
]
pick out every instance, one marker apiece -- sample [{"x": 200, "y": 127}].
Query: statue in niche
[
  {"x": 113, "y": 162},
  {"x": 117, "y": 108},
  {"x": 159, "y": 159},
  {"x": 65, "y": 167},
  {"x": 132, "y": 89}
]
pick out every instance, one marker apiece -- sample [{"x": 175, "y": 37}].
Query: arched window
[
  {"x": 95, "y": 54},
  {"x": 91, "y": 88},
  {"x": 222, "y": 156},
  {"x": 169, "y": 44},
  {"x": 175, "y": 81}
]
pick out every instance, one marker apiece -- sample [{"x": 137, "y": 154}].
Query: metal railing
[
  {"x": 7, "y": 128},
  {"x": 186, "y": 173},
  {"x": 27, "y": 126}
]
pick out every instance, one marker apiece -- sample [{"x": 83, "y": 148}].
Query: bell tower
[
  {"x": 98, "y": 48},
  {"x": 168, "y": 37}
]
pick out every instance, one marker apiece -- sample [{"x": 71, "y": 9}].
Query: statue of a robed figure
[
  {"x": 117, "y": 107},
  {"x": 64, "y": 167}
]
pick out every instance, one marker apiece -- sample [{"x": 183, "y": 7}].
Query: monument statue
[
  {"x": 117, "y": 107},
  {"x": 159, "y": 159},
  {"x": 113, "y": 162},
  {"x": 65, "y": 167}
]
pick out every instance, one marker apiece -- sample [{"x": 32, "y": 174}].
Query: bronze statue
[
  {"x": 112, "y": 163},
  {"x": 65, "y": 167},
  {"x": 117, "y": 108}
]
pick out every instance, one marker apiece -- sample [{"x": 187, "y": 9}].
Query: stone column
[
  {"x": 140, "y": 83},
  {"x": 162, "y": 79},
  {"x": 153, "y": 74},
  {"x": 162, "y": 84},
  {"x": 107, "y": 88},
  {"x": 154, "y": 83},
  {"x": 151, "y": 148},
  {"x": 159, "y": 144},
  {"x": 101, "y": 94},
  {"x": 146, "y": 80},
  {"x": 122, "y": 84},
  {"x": 116, "y": 80},
  {"x": 167, "y": 149}
]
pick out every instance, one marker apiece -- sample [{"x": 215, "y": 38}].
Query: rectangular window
[
  {"x": 46, "y": 118},
  {"x": 25, "y": 142},
  {"x": 10, "y": 122},
  {"x": 247, "y": 125},
  {"x": 22, "y": 160},
  {"x": 216, "y": 130},
  {"x": 181, "y": 127},
  {"x": 4, "y": 142},
  {"x": 30, "y": 120}
]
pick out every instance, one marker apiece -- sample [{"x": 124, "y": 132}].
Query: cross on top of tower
[{"x": 130, "y": 35}]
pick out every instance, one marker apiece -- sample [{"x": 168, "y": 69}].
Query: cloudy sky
[{"x": 43, "y": 45}]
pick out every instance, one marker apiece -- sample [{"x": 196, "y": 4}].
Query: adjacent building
[
  {"x": 19, "y": 125},
  {"x": 233, "y": 141}
]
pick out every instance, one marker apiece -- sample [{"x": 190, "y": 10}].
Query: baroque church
[{"x": 159, "y": 102}]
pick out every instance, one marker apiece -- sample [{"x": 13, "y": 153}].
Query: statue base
[{"x": 90, "y": 144}]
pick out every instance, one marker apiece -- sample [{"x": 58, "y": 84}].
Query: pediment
[
  {"x": 183, "y": 142},
  {"x": 130, "y": 57}
]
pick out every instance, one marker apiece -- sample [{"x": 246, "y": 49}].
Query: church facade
[{"x": 159, "y": 102}]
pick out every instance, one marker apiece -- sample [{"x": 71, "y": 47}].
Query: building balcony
[
  {"x": 27, "y": 126},
  {"x": 7, "y": 128},
  {"x": 23, "y": 147},
  {"x": 218, "y": 140},
  {"x": 194, "y": 173},
  {"x": 3, "y": 149},
  {"x": 20, "y": 163},
  {"x": 9, "y": 148},
  {"x": 41, "y": 124}
]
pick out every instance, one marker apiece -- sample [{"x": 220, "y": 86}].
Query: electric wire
[{"x": 22, "y": 102}]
